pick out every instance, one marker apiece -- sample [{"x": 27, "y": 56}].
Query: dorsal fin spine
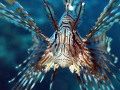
[
  {"x": 46, "y": 4},
  {"x": 80, "y": 13}
]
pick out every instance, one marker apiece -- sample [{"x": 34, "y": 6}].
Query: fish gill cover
[{"x": 14, "y": 41}]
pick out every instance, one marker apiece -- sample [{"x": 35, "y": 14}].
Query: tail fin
[
  {"x": 72, "y": 5},
  {"x": 68, "y": 4}
]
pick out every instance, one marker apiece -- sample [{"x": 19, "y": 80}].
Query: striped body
[
  {"x": 61, "y": 48},
  {"x": 87, "y": 57},
  {"x": 62, "y": 42}
]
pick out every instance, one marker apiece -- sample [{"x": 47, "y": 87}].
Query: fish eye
[
  {"x": 73, "y": 37},
  {"x": 55, "y": 36}
]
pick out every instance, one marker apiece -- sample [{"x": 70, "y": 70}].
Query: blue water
[{"x": 14, "y": 42}]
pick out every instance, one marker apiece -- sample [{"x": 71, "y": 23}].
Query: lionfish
[{"x": 87, "y": 57}]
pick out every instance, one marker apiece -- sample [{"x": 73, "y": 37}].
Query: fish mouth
[{"x": 64, "y": 60}]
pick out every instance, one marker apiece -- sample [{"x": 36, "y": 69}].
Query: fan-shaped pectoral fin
[
  {"x": 106, "y": 19},
  {"x": 25, "y": 21}
]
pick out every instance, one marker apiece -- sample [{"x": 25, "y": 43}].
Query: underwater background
[{"x": 14, "y": 42}]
